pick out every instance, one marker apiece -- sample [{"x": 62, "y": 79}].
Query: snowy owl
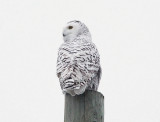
[{"x": 78, "y": 62}]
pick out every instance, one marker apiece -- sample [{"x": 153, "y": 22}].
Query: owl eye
[{"x": 70, "y": 27}]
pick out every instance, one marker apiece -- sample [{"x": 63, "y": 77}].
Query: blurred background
[{"x": 126, "y": 34}]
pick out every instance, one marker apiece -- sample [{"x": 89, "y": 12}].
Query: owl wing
[
  {"x": 63, "y": 59},
  {"x": 88, "y": 61}
]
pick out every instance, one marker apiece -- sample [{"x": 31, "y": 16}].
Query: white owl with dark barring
[{"x": 78, "y": 62}]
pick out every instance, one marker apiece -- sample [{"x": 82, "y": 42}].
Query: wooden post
[{"x": 88, "y": 107}]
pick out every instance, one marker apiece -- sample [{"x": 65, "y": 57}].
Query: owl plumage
[{"x": 78, "y": 62}]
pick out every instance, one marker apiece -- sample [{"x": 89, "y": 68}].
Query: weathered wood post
[{"x": 88, "y": 107}]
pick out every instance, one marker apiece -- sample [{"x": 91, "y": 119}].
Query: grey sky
[{"x": 126, "y": 34}]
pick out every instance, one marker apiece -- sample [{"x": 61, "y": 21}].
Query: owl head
[{"x": 74, "y": 29}]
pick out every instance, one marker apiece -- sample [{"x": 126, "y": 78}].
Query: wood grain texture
[{"x": 88, "y": 107}]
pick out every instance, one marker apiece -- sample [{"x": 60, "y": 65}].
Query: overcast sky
[{"x": 126, "y": 34}]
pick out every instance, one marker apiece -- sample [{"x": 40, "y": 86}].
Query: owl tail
[{"x": 69, "y": 77}]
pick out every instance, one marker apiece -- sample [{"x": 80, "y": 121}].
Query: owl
[{"x": 78, "y": 62}]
